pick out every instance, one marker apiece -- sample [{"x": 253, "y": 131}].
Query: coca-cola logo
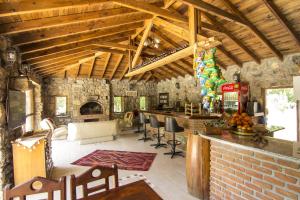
[{"x": 227, "y": 87}]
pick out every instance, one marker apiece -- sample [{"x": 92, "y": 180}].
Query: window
[
  {"x": 60, "y": 105},
  {"x": 143, "y": 103},
  {"x": 118, "y": 104},
  {"x": 281, "y": 112}
]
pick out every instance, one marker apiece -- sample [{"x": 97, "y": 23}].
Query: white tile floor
[{"x": 167, "y": 175}]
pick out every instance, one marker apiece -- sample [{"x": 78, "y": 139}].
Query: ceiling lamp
[
  {"x": 11, "y": 56},
  {"x": 152, "y": 41}
]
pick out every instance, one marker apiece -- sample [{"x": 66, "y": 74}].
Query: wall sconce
[
  {"x": 11, "y": 56},
  {"x": 25, "y": 68},
  {"x": 177, "y": 85}
]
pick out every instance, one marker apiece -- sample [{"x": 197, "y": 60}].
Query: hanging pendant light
[{"x": 25, "y": 68}]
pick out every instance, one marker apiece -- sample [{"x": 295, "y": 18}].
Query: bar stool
[
  {"x": 144, "y": 121},
  {"x": 172, "y": 126},
  {"x": 154, "y": 123}
]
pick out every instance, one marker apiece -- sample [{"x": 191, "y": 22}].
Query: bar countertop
[
  {"x": 274, "y": 147},
  {"x": 182, "y": 115}
]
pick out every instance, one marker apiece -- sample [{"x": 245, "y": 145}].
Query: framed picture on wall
[{"x": 131, "y": 93}]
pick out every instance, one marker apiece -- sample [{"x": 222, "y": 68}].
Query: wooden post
[
  {"x": 193, "y": 25},
  {"x": 298, "y": 120},
  {"x": 130, "y": 54}
]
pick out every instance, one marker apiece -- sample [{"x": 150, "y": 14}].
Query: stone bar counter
[{"x": 240, "y": 168}]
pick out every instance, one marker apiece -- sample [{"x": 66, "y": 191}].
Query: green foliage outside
[
  {"x": 143, "y": 103},
  {"x": 61, "y": 105},
  {"x": 118, "y": 104}
]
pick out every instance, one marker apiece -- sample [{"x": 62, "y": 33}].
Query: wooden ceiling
[{"x": 101, "y": 38}]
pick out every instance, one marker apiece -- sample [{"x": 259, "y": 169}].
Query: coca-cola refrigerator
[{"x": 235, "y": 97}]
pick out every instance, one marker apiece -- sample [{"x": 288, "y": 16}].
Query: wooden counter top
[
  {"x": 182, "y": 115},
  {"x": 274, "y": 147}
]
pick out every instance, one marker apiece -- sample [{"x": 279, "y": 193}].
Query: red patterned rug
[{"x": 124, "y": 159}]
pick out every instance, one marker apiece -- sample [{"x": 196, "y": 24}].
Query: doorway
[{"x": 281, "y": 111}]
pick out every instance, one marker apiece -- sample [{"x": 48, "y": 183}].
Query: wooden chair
[
  {"x": 94, "y": 174},
  {"x": 37, "y": 185}
]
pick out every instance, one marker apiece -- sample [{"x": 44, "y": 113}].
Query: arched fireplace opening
[{"x": 91, "y": 108}]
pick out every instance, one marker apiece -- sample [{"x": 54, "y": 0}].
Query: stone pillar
[{"x": 29, "y": 110}]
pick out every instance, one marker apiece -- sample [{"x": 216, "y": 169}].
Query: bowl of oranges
[{"x": 242, "y": 123}]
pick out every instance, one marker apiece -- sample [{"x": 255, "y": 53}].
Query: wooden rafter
[
  {"x": 206, "y": 7},
  {"x": 78, "y": 70},
  {"x": 151, "y": 9},
  {"x": 179, "y": 66},
  {"x": 282, "y": 20},
  {"x": 253, "y": 29},
  {"x": 214, "y": 21},
  {"x": 116, "y": 45},
  {"x": 62, "y": 20},
  {"x": 163, "y": 37},
  {"x": 148, "y": 77},
  {"x": 57, "y": 32},
  {"x": 128, "y": 66},
  {"x": 175, "y": 69},
  {"x": 116, "y": 66},
  {"x": 140, "y": 77},
  {"x": 141, "y": 45},
  {"x": 81, "y": 37},
  {"x": 193, "y": 25},
  {"x": 106, "y": 64},
  {"x": 168, "y": 3},
  {"x": 92, "y": 67},
  {"x": 115, "y": 51}
]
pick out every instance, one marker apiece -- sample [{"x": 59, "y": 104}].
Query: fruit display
[{"x": 242, "y": 122}]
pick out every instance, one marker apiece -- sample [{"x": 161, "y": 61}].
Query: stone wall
[
  {"x": 189, "y": 90},
  {"x": 270, "y": 73},
  {"x": 78, "y": 91},
  {"x": 119, "y": 88}
]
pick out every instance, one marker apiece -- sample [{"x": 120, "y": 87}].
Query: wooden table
[{"x": 139, "y": 190}]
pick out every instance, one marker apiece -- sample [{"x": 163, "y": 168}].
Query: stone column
[{"x": 29, "y": 110}]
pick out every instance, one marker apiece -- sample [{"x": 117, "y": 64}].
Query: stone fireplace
[{"x": 91, "y": 108}]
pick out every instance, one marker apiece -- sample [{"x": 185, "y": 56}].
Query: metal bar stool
[
  {"x": 154, "y": 123},
  {"x": 172, "y": 126},
  {"x": 144, "y": 121}
]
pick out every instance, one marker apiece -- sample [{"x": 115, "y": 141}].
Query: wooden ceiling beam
[
  {"x": 176, "y": 69},
  {"x": 108, "y": 50},
  {"x": 282, "y": 20},
  {"x": 81, "y": 37},
  {"x": 58, "y": 32},
  {"x": 179, "y": 65},
  {"x": 254, "y": 30},
  {"x": 92, "y": 67},
  {"x": 26, "y": 56},
  {"x": 206, "y": 7},
  {"x": 171, "y": 71},
  {"x": 25, "y": 7},
  {"x": 193, "y": 25},
  {"x": 61, "y": 20},
  {"x": 140, "y": 77},
  {"x": 116, "y": 66},
  {"x": 237, "y": 41},
  {"x": 151, "y": 9},
  {"x": 168, "y": 3},
  {"x": 163, "y": 37},
  {"x": 106, "y": 64},
  {"x": 148, "y": 77},
  {"x": 163, "y": 73},
  {"x": 141, "y": 44}
]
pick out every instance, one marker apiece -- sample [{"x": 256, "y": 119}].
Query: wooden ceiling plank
[
  {"x": 168, "y": 3},
  {"x": 282, "y": 20},
  {"x": 25, "y": 7},
  {"x": 69, "y": 30},
  {"x": 176, "y": 69},
  {"x": 116, "y": 66},
  {"x": 72, "y": 46},
  {"x": 61, "y": 20},
  {"x": 116, "y": 45},
  {"x": 184, "y": 69},
  {"x": 141, "y": 44},
  {"x": 206, "y": 7},
  {"x": 237, "y": 41},
  {"x": 81, "y": 37},
  {"x": 92, "y": 67},
  {"x": 106, "y": 64},
  {"x": 254, "y": 30},
  {"x": 151, "y": 9},
  {"x": 162, "y": 73}
]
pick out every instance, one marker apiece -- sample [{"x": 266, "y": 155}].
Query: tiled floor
[{"x": 167, "y": 175}]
